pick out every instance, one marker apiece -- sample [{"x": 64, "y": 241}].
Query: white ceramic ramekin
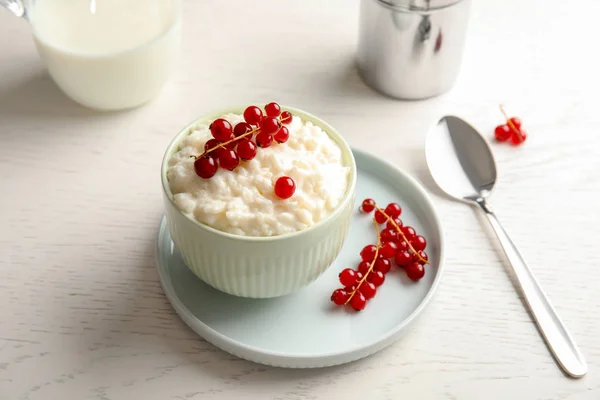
[{"x": 260, "y": 267}]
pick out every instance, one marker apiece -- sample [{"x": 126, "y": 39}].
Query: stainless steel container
[{"x": 411, "y": 49}]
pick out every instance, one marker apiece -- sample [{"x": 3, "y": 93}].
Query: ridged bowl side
[{"x": 260, "y": 269}]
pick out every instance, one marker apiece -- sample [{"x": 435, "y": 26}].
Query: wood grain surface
[{"x": 83, "y": 315}]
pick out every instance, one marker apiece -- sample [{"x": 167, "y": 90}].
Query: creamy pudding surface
[{"x": 243, "y": 202}]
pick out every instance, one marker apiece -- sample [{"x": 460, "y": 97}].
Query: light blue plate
[{"x": 305, "y": 329}]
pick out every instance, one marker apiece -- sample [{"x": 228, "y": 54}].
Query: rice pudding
[{"x": 243, "y": 202}]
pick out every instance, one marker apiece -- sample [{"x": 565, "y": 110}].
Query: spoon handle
[{"x": 557, "y": 337}]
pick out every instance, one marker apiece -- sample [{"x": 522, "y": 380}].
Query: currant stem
[
  {"x": 370, "y": 266},
  {"x": 402, "y": 233},
  {"x": 509, "y": 123},
  {"x": 226, "y": 143}
]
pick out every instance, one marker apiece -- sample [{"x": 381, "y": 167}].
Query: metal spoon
[{"x": 463, "y": 166}]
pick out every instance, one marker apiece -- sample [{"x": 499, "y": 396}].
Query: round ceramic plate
[{"x": 305, "y": 329}]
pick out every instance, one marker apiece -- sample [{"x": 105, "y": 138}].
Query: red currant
[
  {"x": 390, "y": 225},
  {"x": 246, "y": 149},
  {"x": 347, "y": 277},
  {"x": 229, "y": 159},
  {"x": 368, "y": 253},
  {"x": 269, "y": 125},
  {"x": 241, "y": 128},
  {"x": 419, "y": 243},
  {"x": 285, "y": 187},
  {"x": 409, "y": 232},
  {"x": 205, "y": 167},
  {"x": 403, "y": 258},
  {"x": 253, "y": 115},
  {"x": 502, "y": 133},
  {"x": 273, "y": 109},
  {"x": 518, "y": 139},
  {"x": 367, "y": 206},
  {"x": 364, "y": 266},
  {"x": 389, "y": 235},
  {"x": 282, "y": 135},
  {"x": 379, "y": 217},
  {"x": 395, "y": 241},
  {"x": 358, "y": 301},
  {"x": 264, "y": 140},
  {"x": 339, "y": 296},
  {"x": 376, "y": 278},
  {"x": 421, "y": 255},
  {"x": 286, "y": 117},
  {"x": 211, "y": 144},
  {"x": 415, "y": 271},
  {"x": 221, "y": 129},
  {"x": 393, "y": 210},
  {"x": 368, "y": 290},
  {"x": 389, "y": 249},
  {"x": 383, "y": 264},
  {"x": 516, "y": 122}
]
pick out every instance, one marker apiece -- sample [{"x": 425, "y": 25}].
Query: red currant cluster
[
  {"x": 230, "y": 144},
  {"x": 510, "y": 130},
  {"x": 395, "y": 241}
]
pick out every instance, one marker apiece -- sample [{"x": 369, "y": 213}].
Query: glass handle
[{"x": 14, "y": 6}]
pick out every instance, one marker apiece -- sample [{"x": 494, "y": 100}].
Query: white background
[{"x": 83, "y": 316}]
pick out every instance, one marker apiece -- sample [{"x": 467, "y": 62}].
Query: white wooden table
[{"x": 83, "y": 315}]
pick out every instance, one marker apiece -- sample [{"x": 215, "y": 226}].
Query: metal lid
[{"x": 419, "y": 5}]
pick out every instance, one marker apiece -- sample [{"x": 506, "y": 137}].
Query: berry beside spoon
[{"x": 510, "y": 130}]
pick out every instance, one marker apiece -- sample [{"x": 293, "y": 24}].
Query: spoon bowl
[{"x": 461, "y": 162}]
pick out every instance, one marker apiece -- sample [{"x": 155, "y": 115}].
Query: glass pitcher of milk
[{"x": 105, "y": 54}]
